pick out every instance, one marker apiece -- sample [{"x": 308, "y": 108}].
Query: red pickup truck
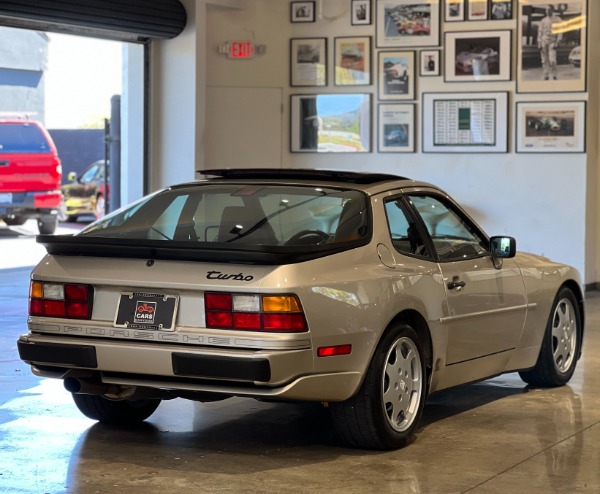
[{"x": 30, "y": 174}]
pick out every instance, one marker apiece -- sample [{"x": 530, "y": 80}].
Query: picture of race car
[
  {"x": 545, "y": 123},
  {"x": 478, "y": 62},
  {"x": 575, "y": 56},
  {"x": 396, "y": 71},
  {"x": 413, "y": 28}
]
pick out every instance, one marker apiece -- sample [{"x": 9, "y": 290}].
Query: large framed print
[
  {"x": 330, "y": 123},
  {"x": 396, "y": 128},
  {"x": 552, "y": 49},
  {"x": 556, "y": 127},
  {"x": 480, "y": 56},
  {"x": 308, "y": 62},
  {"x": 465, "y": 122},
  {"x": 407, "y": 23},
  {"x": 397, "y": 75},
  {"x": 353, "y": 61}
]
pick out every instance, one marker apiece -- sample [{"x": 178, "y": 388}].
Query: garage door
[{"x": 131, "y": 20}]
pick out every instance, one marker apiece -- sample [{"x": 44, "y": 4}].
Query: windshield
[{"x": 242, "y": 214}]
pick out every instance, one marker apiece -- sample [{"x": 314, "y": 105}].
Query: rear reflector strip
[{"x": 332, "y": 351}]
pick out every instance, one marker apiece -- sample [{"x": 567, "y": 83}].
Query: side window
[
  {"x": 453, "y": 237},
  {"x": 406, "y": 238}
]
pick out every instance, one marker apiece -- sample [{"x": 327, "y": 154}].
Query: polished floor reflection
[{"x": 497, "y": 436}]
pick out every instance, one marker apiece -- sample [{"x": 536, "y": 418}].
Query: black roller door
[{"x": 123, "y": 20}]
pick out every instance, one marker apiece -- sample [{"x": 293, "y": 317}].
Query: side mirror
[
  {"x": 72, "y": 176},
  {"x": 503, "y": 247}
]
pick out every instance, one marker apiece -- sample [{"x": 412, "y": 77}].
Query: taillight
[
  {"x": 66, "y": 300},
  {"x": 273, "y": 313}
]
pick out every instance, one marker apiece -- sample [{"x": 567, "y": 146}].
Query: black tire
[
  {"x": 561, "y": 344},
  {"x": 377, "y": 417},
  {"x": 123, "y": 412},
  {"x": 15, "y": 221},
  {"x": 47, "y": 224}
]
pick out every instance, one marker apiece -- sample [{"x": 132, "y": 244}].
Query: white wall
[{"x": 541, "y": 199}]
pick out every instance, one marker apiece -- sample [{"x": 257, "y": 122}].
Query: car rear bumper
[
  {"x": 31, "y": 204},
  {"x": 280, "y": 374}
]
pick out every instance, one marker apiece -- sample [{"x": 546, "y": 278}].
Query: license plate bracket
[{"x": 145, "y": 310}]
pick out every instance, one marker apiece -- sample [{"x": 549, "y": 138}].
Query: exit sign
[{"x": 241, "y": 49}]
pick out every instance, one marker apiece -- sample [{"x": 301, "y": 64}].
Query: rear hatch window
[
  {"x": 269, "y": 215},
  {"x": 22, "y": 138}
]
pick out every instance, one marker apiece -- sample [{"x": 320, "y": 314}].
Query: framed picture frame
[
  {"x": 396, "y": 128},
  {"x": 330, "y": 123},
  {"x": 500, "y": 10},
  {"x": 429, "y": 65},
  {"x": 302, "y": 11},
  {"x": 308, "y": 62},
  {"x": 477, "y": 10},
  {"x": 397, "y": 73},
  {"x": 549, "y": 59},
  {"x": 465, "y": 122},
  {"x": 550, "y": 127},
  {"x": 454, "y": 10},
  {"x": 352, "y": 61},
  {"x": 407, "y": 23},
  {"x": 480, "y": 56},
  {"x": 360, "y": 14}
]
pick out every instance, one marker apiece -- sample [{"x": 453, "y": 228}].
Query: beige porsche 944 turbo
[{"x": 364, "y": 291}]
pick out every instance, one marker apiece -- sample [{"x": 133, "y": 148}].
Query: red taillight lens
[
  {"x": 251, "y": 312},
  {"x": 218, "y": 301},
  {"x": 58, "y": 300},
  {"x": 76, "y": 293},
  {"x": 246, "y": 321},
  {"x": 283, "y": 321},
  {"x": 219, "y": 320}
]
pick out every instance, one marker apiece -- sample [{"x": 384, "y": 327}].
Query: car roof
[{"x": 368, "y": 182}]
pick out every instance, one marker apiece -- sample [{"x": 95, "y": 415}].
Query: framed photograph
[
  {"x": 454, "y": 10},
  {"x": 397, "y": 75},
  {"x": 302, "y": 11},
  {"x": 353, "y": 61},
  {"x": 330, "y": 123},
  {"x": 361, "y": 12},
  {"x": 396, "y": 128},
  {"x": 465, "y": 122},
  {"x": 308, "y": 62},
  {"x": 501, "y": 10},
  {"x": 478, "y": 56},
  {"x": 557, "y": 127},
  {"x": 407, "y": 23},
  {"x": 429, "y": 63},
  {"x": 477, "y": 10},
  {"x": 552, "y": 49}
]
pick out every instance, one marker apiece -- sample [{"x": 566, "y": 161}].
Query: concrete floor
[{"x": 497, "y": 436}]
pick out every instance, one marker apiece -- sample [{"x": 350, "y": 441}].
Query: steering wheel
[{"x": 307, "y": 237}]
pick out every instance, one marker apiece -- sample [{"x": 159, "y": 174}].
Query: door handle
[{"x": 456, "y": 284}]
